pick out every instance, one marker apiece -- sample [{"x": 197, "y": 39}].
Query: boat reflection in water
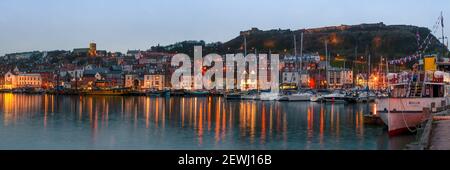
[{"x": 116, "y": 122}]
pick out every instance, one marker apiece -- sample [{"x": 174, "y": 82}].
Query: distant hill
[{"x": 378, "y": 39}]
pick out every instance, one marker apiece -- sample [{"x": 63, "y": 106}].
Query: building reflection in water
[{"x": 203, "y": 120}]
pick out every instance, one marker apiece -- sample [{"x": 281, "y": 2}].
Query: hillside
[{"x": 390, "y": 41}]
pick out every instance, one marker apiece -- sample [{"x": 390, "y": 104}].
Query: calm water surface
[{"x": 115, "y": 122}]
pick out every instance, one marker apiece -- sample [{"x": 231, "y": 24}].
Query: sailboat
[{"x": 298, "y": 96}]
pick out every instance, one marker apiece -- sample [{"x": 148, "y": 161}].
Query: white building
[
  {"x": 154, "y": 82},
  {"x": 339, "y": 78},
  {"x": 29, "y": 80},
  {"x": 21, "y": 80},
  {"x": 10, "y": 80}
]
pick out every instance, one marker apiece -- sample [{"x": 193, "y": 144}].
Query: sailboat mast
[
  {"x": 443, "y": 38},
  {"x": 301, "y": 54},
  {"x": 369, "y": 73},
  {"x": 387, "y": 72},
  {"x": 296, "y": 58},
  {"x": 295, "y": 51},
  {"x": 245, "y": 45},
  {"x": 354, "y": 63},
  {"x": 295, "y": 46},
  {"x": 326, "y": 63},
  {"x": 380, "y": 69},
  {"x": 301, "y": 51}
]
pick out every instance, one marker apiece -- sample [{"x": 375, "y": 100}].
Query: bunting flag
[
  {"x": 422, "y": 46},
  {"x": 418, "y": 38},
  {"x": 404, "y": 60}
]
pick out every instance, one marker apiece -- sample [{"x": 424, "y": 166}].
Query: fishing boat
[{"x": 410, "y": 94}]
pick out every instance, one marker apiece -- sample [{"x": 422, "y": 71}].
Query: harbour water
[{"x": 119, "y": 122}]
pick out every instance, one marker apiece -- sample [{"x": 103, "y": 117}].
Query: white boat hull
[
  {"x": 399, "y": 123},
  {"x": 335, "y": 99},
  {"x": 404, "y": 114},
  {"x": 250, "y": 97},
  {"x": 295, "y": 97},
  {"x": 300, "y": 97},
  {"x": 316, "y": 98},
  {"x": 269, "y": 96}
]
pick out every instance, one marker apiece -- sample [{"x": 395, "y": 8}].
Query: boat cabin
[{"x": 428, "y": 84}]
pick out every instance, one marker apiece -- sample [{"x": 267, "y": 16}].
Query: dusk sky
[{"x": 118, "y": 25}]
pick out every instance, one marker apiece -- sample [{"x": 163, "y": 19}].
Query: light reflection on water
[{"x": 115, "y": 122}]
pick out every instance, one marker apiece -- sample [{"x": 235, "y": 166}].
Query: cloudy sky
[{"x": 118, "y": 25}]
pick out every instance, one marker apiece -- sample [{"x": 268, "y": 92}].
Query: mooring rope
[{"x": 404, "y": 119}]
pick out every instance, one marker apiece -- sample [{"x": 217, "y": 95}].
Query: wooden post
[{"x": 425, "y": 137}]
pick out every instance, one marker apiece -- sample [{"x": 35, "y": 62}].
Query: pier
[
  {"x": 435, "y": 134},
  {"x": 440, "y": 135}
]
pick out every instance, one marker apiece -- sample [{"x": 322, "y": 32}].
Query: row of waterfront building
[
  {"x": 114, "y": 77},
  {"x": 137, "y": 69}
]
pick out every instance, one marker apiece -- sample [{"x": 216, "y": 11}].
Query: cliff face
[{"x": 390, "y": 41}]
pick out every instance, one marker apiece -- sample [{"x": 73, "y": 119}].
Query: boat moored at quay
[{"x": 411, "y": 95}]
